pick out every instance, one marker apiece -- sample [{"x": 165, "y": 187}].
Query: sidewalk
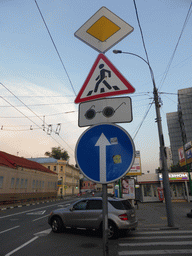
[{"x": 153, "y": 216}]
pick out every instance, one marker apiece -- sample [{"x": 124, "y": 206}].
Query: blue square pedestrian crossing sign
[{"x": 105, "y": 153}]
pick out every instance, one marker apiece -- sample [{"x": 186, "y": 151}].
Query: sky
[{"x": 37, "y": 91}]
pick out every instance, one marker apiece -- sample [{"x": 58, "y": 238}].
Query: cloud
[{"x": 22, "y": 125}]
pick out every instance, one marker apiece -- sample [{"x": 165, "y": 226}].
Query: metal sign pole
[{"x": 105, "y": 221}]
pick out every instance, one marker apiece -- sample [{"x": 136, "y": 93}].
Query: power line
[
  {"x": 42, "y": 128},
  {"x": 150, "y": 105},
  {"x": 170, "y": 62},
  {"x": 55, "y": 46},
  {"x": 62, "y": 113},
  {"x": 39, "y": 96},
  {"x": 43, "y": 104},
  {"x": 152, "y": 75}
]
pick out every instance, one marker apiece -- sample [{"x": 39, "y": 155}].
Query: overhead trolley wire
[
  {"x": 55, "y": 46},
  {"x": 30, "y": 118},
  {"x": 146, "y": 113},
  {"x": 171, "y": 59},
  {"x": 152, "y": 75}
]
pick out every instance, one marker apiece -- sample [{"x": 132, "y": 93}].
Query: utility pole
[{"x": 166, "y": 186}]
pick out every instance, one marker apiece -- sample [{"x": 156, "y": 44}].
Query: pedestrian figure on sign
[{"x": 102, "y": 77}]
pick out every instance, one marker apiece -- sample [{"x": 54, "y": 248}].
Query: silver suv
[{"x": 87, "y": 213}]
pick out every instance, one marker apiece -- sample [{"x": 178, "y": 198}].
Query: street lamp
[{"x": 161, "y": 142}]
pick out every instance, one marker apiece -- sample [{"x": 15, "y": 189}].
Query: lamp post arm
[
  {"x": 151, "y": 71},
  {"x": 161, "y": 142}
]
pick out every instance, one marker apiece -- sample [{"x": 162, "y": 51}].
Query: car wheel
[
  {"x": 57, "y": 225},
  {"x": 112, "y": 230}
]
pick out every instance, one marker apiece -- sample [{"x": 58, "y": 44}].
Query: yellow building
[{"x": 68, "y": 175}]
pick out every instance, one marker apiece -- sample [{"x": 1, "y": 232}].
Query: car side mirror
[{"x": 71, "y": 209}]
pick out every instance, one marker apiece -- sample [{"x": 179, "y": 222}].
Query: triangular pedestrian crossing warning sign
[{"x": 103, "y": 80}]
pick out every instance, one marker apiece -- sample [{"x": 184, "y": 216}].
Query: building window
[
  {"x": 54, "y": 168},
  {"x": 22, "y": 183},
  {"x": 33, "y": 185},
  {"x": 61, "y": 168},
  {"x": 1, "y": 181},
  {"x": 17, "y": 183},
  {"x": 48, "y": 167},
  {"x": 155, "y": 192},
  {"x": 12, "y": 182},
  {"x": 37, "y": 183},
  {"x": 147, "y": 190},
  {"x": 43, "y": 184},
  {"x": 40, "y": 184},
  {"x": 26, "y": 183}
]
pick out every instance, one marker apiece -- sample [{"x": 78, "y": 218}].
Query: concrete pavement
[{"x": 153, "y": 216}]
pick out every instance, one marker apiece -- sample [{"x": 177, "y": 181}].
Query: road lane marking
[
  {"x": 41, "y": 217},
  {"x": 36, "y": 213},
  {"x": 37, "y": 235},
  {"x": 157, "y": 243},
  {"x": 163, "y": 232},
  {"x": 156, "y": 252},
  {"x": 3, "y": 217},
  {"x": 158, "y": 237},
  {"x": 43, "y": 233},
  {"x": 63, "y": 205},
  {"x": 8, "y": 229},
  {"x": 23, "y": 245}
]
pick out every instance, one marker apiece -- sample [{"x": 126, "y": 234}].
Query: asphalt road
[{"x": 25, "y": 231}]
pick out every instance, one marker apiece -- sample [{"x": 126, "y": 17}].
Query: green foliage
[
  {"x": 58, "y": 153},
  {"x": 178, "y": 168}
]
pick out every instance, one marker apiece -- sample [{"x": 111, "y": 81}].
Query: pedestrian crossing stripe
[{"x": 103, "y": 80}]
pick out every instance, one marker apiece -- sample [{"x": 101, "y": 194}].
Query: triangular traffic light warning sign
[{"x": 103, "y": 80}]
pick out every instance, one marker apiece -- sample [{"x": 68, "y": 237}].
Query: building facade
[
  {"x": 149, "y": 185},
  {"x": 180, "y": 123},
  {"x": 24, "y": 180},
  {"x": 68, "y": 175},
  {"x": 185, "y": 110}
]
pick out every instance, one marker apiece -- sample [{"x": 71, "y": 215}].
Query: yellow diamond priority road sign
[{"x": 103, "y": 30}]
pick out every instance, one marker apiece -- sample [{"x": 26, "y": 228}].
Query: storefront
[
  {"x": 150, "y": 184},
  {"x": 179, "y": 186}
]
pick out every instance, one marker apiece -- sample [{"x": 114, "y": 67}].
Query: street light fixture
[{"x": 161, "y": 142}]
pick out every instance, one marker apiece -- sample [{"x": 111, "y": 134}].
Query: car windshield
[{"x": 121, "y": 205}]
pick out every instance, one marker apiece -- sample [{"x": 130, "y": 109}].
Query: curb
[
  {"x": 23, "y": 205},
  {"x": 29, "y": 204}
]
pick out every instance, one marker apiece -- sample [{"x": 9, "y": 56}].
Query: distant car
[{"x": 87, "y": 213}]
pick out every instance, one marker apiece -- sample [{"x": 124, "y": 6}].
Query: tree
[
  {"x": 178, "y": 168},
  {"x": 58, "y": 153}
]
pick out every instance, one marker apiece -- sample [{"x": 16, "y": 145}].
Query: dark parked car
[{"x": 87, "y": 213}]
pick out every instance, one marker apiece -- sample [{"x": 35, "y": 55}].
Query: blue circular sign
[{"x": 105, "y": 153}]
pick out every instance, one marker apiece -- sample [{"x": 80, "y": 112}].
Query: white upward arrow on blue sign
[
  {"x": 105, "y": 153},
  {"x": 102, "y": 143}
]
